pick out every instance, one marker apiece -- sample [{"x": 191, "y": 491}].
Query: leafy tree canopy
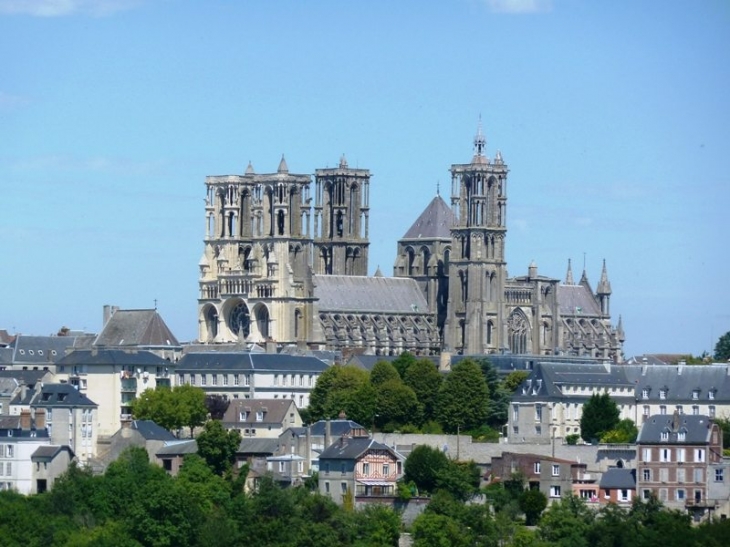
[
  {"x": 397, "y": 405},
  {"x": 722, "y": 348},
  {"x": 343, "y": 389},
  {"x": 173, "y": 409},
  {"x": 403, "y": 362},
  {"x": 383, "y": 372},
  {"x": 624, "y": 432},
  {"x": 425, "y": 380},
  {"x": 218, "y": 446},
  {"x": 514, "y": 379},
  {"x": 600, "y": 415},
  {"x": 463, "y": 399}
]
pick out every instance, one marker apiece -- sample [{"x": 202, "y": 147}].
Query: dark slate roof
[
  {"x": 346, "y": 448},
  {"x": 681, "y": 381},
  {"x": 7, "y": 386},
  {"x": 136, "y": 328},
  {"x": 60, "y": 395},
  {"x": 577, "y": 300},
  {"x": 248, "y": 362},
  {"x": 112, "y": 357},
  {"x": 696, "y": 429},
  {"x": 258, "y": 446},
  {"x": 43, "y": 350},
  {"x": 368, "y": 361},
  {"x": 617, "y": 477},
  {"x": 27, "y": 377},
  {"x": 6, "y": 356},
  {"x": 435, "y": 222},
  {"x": 360, "y": 294},
  {"x": 151, "y": 431},
  {"x": 50, "y": 451},
  {"x": 178, "y": 448},
  {"x": 337, "y": 427},
  {"x": 12, "y": 423}
]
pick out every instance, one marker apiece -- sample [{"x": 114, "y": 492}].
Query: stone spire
[
  {"x": 480, "y": 145},
  {"x": 343, "y": 162},
  {"x": 283, "y": 167},
  {"x": 620, "y": 330},
  {"x": 569, "y": 275},
  {"x": 604, "y": 285},
  {"x": 249, "y": 169}
]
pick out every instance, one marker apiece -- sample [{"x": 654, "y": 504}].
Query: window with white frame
[
  {"x": 646, "y": 475},
  {"x": 386, "y": 470},
  {"x": 681, "y": 455},
  {"x": 246, "y": 380},
  {"x": 665, "y": 435},
  {"x": 647, "y": 455},
  {"x": 719, "y": 474},
  {"x": 203, "y": 379},
  {"x": 259, "y": 416},
  {"x": 681, "y": 436},
  {"x": 695, "y": 394},
  {"x": 556, "y": 470},
  {"x": 225, "y": 379},
  {"x": 711, "y": 409},
  {"x": 215, "y": 379},
  {"x": 538, "y": 412},
  {"x": 276, "y": 379},
  {"x": 623, "y": 495},
  {"x": 663, "y": 474},
  {"x": 663, "y": 410},
  {"x": 515, "y": 413},
  {"x": 365, "y": 468},
  {"x": 236, "y": 379},
  {"x": 646, "y": 410},
  {"x": 695, "y": 410},
  {"x": 665, "y": 455},
  {"x": 192, "y": 379},
  {"x": 699, "y": 454},
  {"x": 699, "y": 475},
  {"x": 680, "y": 494},
  {"x": 555, "y": 491},
  {"x": 536, "y": 468},
  {"x": 663, "y": 393},
  {"x": 681, "y": 475},
  {"x": 711, "y": 394},
  {"x": 645, "y": 393}
]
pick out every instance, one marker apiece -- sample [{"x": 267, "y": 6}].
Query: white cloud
[
  {"x": 59, "y": 8},
  {"x": 519, "y": 6}
]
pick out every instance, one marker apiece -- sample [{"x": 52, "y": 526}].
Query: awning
[{"x": 367, "y": 482}]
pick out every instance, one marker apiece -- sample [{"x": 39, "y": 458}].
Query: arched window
[{"x": 518, "y": 330}]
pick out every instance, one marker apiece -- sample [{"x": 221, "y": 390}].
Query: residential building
[
  {"x": 20, "y": 437},
  {"x": 114, "y": 377},
  {"x": 618, "y": 486},
  {"x": 679, "y": 457},
  {"x": 140, "y": 433},
  {"x": 48, "y": 463},
  {"x": 172, "y": 454},
  {"x": 264, "y": 418},
  {"x": 246, "y": 375},
  {"x": 359, "y": 467}
]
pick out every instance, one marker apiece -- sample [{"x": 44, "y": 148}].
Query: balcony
[{"x": 129, "y": 385}]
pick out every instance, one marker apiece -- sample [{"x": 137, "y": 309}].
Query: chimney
[
  {"x": 25, "y": 419},
  {"x": 40, "y": 418},
  {"x": 23, "y": 391},
  {"x": 327, "y": 433}
]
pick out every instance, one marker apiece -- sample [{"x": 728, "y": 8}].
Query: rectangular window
[
  {"x": 680, "y": 494},
  {"x": 663, "y": 475},
  {"x": 681, "y": 455},
  {"x": 538, "y": 413},
  {"x": 665, "y": 455},
  {"x": 646, "y": 494},
  {"x": 646, "y": 474},
  {"x": 644, "y": 393},
  {"x": 9, "y": 468},
  {"x": 680, "y": 409},
  {"x": 215, "y": 379},
  {"x": 327, "y": 487},
  {"x": 680, "y": 476},
  {"x": 555, "y": 491},
  {"x": 203, "y": 379},
  {"x": 515, "y": 413},
  {"x": 301, "y": 379},
  {"x": 192, "y": 379},
  {"x": 343, "y": 487},
  {"x": 662, "y": 494},
  {"x": 624, "y": 495},
  {"x": 281, "y": 467},
  {"x": 180, "y": 379},
  {"x": 719, "y": 475},
  {"x": 647, "y": 454},
  {"x": 246, "y": 380},
  {"x": 225, "y": 379},
  {"x": 695, "y": 394},
  {"x": 663, "y": 410},
  {"x": 698, "y": 474},
  {"x": 699, "y": 454},
  {"x": 556, "y": 470},
  {"x": 662, "y": 394},
  {"x": 259, "y": 416},
  {"x": 365, "y": 468},
  {"x": 646, "y": 410},
  {"x": 276, "y": 379},
  {"x": 386, "y": 470},
  {"x": 536, "y": 468},
  {"x": 665, "y": 435},
  {"x": 236, "y": 379},
  {"x": 711, "y": 395},
  {"x": 712, "y": 411}
]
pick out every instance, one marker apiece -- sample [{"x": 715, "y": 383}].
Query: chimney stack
[
  {"x": 25, "y": 419},
  {"x": 40, "y": 418}
]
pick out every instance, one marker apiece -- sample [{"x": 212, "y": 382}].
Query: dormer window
[
  {"x": 681, "y": 436},
  {"x": 695, "y": 394},
  {"x": 665, "y": 435},
  {"x": 259, "y": 416},
  {"x": 663, "y": 393},
  {"x": 645, "y": 393},
  {"x": 243, "y": 416},
  {"x": 711, "y": 394}
]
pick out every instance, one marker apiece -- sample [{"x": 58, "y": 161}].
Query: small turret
[
  {"x": 249, "y": 169},
  {"x": 569, "y": 275},
  {"x": 283, "y": 167},
  {"x": 603, "y": 291}
]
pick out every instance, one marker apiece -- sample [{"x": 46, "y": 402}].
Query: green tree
[
  {"x": 499, "y": 397},
  {"x": 423, "y": 466},
  {"x": 722, "y": 348},
  {"x": 625, "y": 432},
  {"x": 425, "y": 380},
  {"x": 216, "y": 405},
  {"x": 514, "y": 379},
  {"x": 433, "y": 530},
  {"x": 190, "y": 405},
  {"x": 218, "y": 446},
  {"x": 343, "y": 389},
  {"x": 463, "y": 399},
  {"x": 383, "y": 372},
  {"x": 397, "y": 405},
  {"x": 567, "y": 523},
  {"x": 532, "y": 504},
  {"x": 600, "y": 415},
  {"x": 172, "y": 408},
  {"x": 403, "y": 362}
]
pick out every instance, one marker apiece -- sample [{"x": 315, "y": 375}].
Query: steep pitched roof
[
  {"x": 346, "y": 448},
  {"x": 43, "y": 350},
  {"x": 178, "y": 448},
  {"x": 275, "y": 411},
  {"x": 435, "y": 222},
  {"x": 258, "y": 446},
  {"x": 60, "y": 395},
  {"x": 683, "y": 383},
  {"x": 48, "y": 452},
  {"x": 368, "y": 294},
  {"x": 678, "y": 429},
  {"x": 136, "y": 328},
  {"x": 577, "y": 300},
  {"x": 151, "y": 431}
]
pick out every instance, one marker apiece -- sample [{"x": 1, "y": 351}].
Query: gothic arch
[
  {"x": 518, "y": 332},
  {"x": 260, "y": 315},
  {"x": 237, "y": 317},
  {"x": 209, "y": 316}
]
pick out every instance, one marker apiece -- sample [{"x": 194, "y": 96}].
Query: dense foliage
[
  {"x": 463, "y": 399},
  {"x": 600, "y": 415},
  {"x": 173, "y": 409},
  {"x": 137, "y": 504},
  {"x": 722, "y": 348}
]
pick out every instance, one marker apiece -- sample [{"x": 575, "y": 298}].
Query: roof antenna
[
  {"x": 438, "y": 184},
  {"x": 155, "y": 304}
]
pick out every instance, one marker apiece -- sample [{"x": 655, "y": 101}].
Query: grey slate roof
[
  {"x": 6, "y": 356},
  {"x": 352, "y": 448},
  {"x": 681, "y": 381},
  {"x": 248, "y": 362},
  {"x": 60, "y": 395},
  {"x": 112, "y": 357},
  {"x": 258, "y": 446},
  {"x": 151, "y": 431},
  {"x": 178, "y": 448},
  {"x": 617, "y": 477},
  {"x": 27, "y": 377},
  {"x": 337, "y": 427},
  {"x": 49, "y": 451},
  {"x": 276, "y": 411},
  {"x": 360, "y": 294},
  {"x": 136, "y": 328},
  {"x": 696, "y": 429},
  {"x": 435, "y": 222},
  {"x": 44, "y": 350},
  {"x": 577, "y": 300}
]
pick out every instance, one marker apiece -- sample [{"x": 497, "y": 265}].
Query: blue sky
[{"x": 614, "y": 118}]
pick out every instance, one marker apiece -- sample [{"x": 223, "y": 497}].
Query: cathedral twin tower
[{"x": 264, "y": 277}]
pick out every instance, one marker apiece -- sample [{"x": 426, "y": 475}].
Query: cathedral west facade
[{"x": 264, "y": 276}]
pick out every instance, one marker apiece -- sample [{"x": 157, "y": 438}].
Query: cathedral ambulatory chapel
[{"x": 265, "y": 277}]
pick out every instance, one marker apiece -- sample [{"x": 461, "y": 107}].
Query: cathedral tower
[
  {"x": 341, "y": 209},
  {"x": 477, "y": 267},
  {"x": 255, "y": 273}
]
